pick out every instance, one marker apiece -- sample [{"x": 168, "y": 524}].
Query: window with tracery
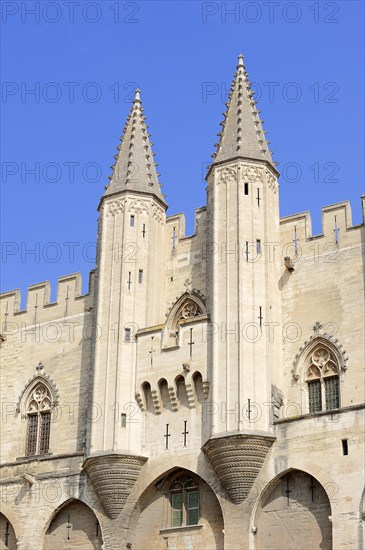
[
  {"x": 322, "y": 377},
  {"x": 189, "y": 309},
  {"x": 184, "y": 498},
  {"x": 38, "y": 421}
]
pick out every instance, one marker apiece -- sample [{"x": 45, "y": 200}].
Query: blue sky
[{"x": 83, "y": 61}]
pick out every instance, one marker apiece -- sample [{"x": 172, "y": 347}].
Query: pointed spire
[
  {"x": 242, "y": 134},
  {"x": 135, "y": 168}
]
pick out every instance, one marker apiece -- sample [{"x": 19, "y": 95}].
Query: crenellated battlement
[
  {"x": 337, "y": 227},
  {"x": 178, "y": 220},
  {"x": 39, "y": 308}
]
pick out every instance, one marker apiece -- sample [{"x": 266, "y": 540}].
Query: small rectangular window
[
  {"x": 131, "y": 221},
  {"x": 345, "y": 447},
  {"x": 258, "y": 246},
  {"x": 140, "y": 276},
  {"x": 246, "y": 188},
  {"x": 177, "y": 509},
  {"x": 144, "y": 230},
  {"x": 315, "y": 397},
  {"x": 127, "y": 334},
  {"x": 123, "y": 420}
]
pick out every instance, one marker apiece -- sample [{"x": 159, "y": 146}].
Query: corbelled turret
[{"x": 244, "y": 298}]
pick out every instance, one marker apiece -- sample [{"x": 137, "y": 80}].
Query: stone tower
[
  {"x": 132, "y": 213},
  {"x": 244, "y": 299}
]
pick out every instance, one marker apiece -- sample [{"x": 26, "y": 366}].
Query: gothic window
[
  {"x": 322, "y": 377},
  {"x": 184, "y": 499},
  {"x": 38, "y": 421}
]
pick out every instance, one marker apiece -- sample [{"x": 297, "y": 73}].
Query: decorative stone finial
[
  {"x": 317, "y": 327},
  {"x": 240, "y": 60}
]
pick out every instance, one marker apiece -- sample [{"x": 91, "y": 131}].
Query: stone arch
[
  {"x": 328, "y": 342},
  {"x": 148, "y": 399},
  {"x": 8, "y": 540},
  {"x": 32, "y": 383},
  {"x": 73, "y": 525},
  {"x": 150, "y": 522},
  {"x": 189, "y": 306},
  {"x": 163, "y": 388},
  {"x": 198, "y": 386},
  {"x": 181, "y": 392},
  {"x": 293, "y": 511},
  {"x": 318, "y": 367}
]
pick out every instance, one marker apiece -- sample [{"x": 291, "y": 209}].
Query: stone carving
[
  {"x": 289, "y": 263},
  {"x": 158, "y": 213},
  {"x": 323, "y": 348},
  {"x": 114, "y": 208},
  {"x": 139, "y": 207},
  {"x": 321, "y": 363},
  {"x": 252, "y": 173},
  {"x": 39, "y": 399},
  {"x": 228, "y": 175},
  {"x": 190, "y": 309},
  {"x": 237, "y": 460},
  {"x": 39, "y": 378},
  {"x": 113, "y": 477},
  {"x": 271, "y": 181},
  {"x": 320, "y": 357}
]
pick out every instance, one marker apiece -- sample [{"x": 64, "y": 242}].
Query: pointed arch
[
  {"x": 38, "y": 378},
  {"x": 189, "y": 305},
  {"x": 294, "y": 495},
  {"x": 147, "y": 393},
  {"x": 38, "y": 408},
  {"x": 198, "y": 386},
  {"x": 318, "y": 366},
  {"x": 182, "y": 501},
  {"x": 73, "y": 523},
  {"x": 327, "y": 342},
  {"x": 8, "y": 538},
  {"x": 164, "y": 394},
  {"x": 181, "y": 392}
]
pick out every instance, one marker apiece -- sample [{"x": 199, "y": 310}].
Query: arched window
[
  {"x": 38, "y": 420},
  {"x": 322, "y": 377},
  {"x": 184, "y": 499}
]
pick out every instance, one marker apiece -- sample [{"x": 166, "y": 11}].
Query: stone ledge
[
  {"x": 40, "y": 458},
  {"x": 181, "y": 528},
  {"x": 341, "y": 410}
]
